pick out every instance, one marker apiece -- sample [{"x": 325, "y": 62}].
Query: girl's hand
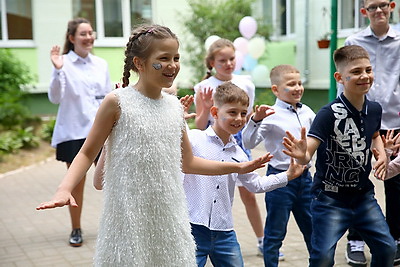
[
  {"x": 295, "y": 169},
  {"x": 262, "y": 112},
  {"x": 206, "y": 98},
  {"x": 186, "y": 102},
  {"x": 249, "y": 166},
  {"x": 61, "y": 198},
  {"x": 389, "y": 141},
  {"x": 56, "y": 58}
]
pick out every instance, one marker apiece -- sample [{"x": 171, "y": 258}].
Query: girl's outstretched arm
[
  {"x": 195, "y": 165},
  {"x": 106, "y": 116}
]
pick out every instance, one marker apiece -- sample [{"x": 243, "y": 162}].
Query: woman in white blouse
[{"x": 78, "y": 84}]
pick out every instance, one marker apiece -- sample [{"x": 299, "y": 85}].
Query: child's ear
[
  {"x": 392, "y": 5},
  {"x": 274, "y": 89},
  {"x": 138, "y": 63},
  {"x": 338, "y": 77},
  {"x": 214, "y": 111},
  {"x": 363, "y": 12}
]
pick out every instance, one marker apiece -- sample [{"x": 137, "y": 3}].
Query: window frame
[{"x": 4, "y": 41}]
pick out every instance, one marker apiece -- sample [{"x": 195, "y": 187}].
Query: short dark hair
[
  {"x": 346, "y": 54},
  {"x": 230, "y": 93}
]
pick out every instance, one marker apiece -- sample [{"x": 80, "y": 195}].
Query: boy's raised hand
[
  {"x": 295, "y": 148},
  {"x": 255, "y": 164},
  {"x": 295, "y": 169},
  {"x": 61, "y": 198},
  {"x": 262, "y": 112}
]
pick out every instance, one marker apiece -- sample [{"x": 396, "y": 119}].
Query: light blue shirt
[
  {"x": 273, "y": 128},
  {"x": 384, "y": 54}
]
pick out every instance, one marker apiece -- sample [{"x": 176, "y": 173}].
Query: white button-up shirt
[
  {"x": 78, "y": 87},
  {"x": 273, "y": 128},
  {"x": 210, "y": 198}
]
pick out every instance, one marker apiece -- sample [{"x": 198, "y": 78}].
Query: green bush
[
  {"x": 47, "y": 130},
  {"x": 14, "y": 75},
  {"x": 214, "y": 17}
]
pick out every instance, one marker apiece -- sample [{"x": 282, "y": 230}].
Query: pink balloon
[
  {"x": 241, "y": 44},
  {"x": 239, "y": 60},
  {"x": 247, "y": 27}
]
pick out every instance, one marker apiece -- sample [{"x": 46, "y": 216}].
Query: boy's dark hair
[
  {"x": 346, "y": 54},
  {"x": 230, "y": 93},
  {"x": 277, "y": 72}
]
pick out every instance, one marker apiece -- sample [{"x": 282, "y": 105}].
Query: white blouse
[{"x": 78, "y": 87}]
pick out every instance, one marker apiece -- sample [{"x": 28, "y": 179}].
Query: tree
[{"x": 214, "y": 17}]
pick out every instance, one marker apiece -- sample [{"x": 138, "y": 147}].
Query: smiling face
[
  {"x": 290, "y": 88},
  {"x": 162, "y": 65},
  {"x": 356, "y": 77},
  {"x": 83, "y": 39},
  {"x": 229, "y": 118},
  {"x": 224, "y": 63}
]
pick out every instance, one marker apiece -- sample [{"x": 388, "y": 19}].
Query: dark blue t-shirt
[{"x": 343, "y": 161}]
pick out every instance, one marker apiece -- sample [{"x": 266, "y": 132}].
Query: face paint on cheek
[
  {"x": 157, "y": 66},
  {"x": 286, "y": 90},
  {"x": 347, "y": 79},
  {"x": 218, "y": 66}
]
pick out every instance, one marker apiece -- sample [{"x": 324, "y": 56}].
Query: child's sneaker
[
  {"x": 355, "y": 253},
  {"x": 281, "y": 256},
  {"x": 260, "y": 250}
]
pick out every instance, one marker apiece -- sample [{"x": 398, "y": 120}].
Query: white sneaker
[{"x": 281, "y": 256}]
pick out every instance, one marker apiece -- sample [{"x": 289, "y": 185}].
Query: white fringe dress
[{"x": 145, "y": 219}]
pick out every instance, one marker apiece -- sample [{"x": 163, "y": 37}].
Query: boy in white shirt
[{"x": 210, "y": 198}]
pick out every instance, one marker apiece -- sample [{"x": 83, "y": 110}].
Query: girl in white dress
[{"x": 144, "y": 220}]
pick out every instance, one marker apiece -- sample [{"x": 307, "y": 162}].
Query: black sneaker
[
  {"x": 397, "y": 257},
  {"x": 355, "y": 253},
  {"x": 75, "y": 239}
]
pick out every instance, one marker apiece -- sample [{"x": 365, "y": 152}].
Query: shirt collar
[
  {"x": 351, "y": 108},
  {"x": 211, "y": 133},
  {"x": 391, "y": 33},
  {"x": 287, "y": 106},
  {"x": 75, "y": 57}
]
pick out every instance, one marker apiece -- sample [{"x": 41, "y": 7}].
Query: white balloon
[
  {"x": 248, "y": 27},
  {"x": 256, "y": 47},
  {"x": 241, "y": 44},
  {"x": 210, "y": 40},
  {"x": 260, "y": 75}
]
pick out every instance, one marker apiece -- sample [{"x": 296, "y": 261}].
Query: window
[
  {"x": 113, "y": 19},
  {"x": 349, "y": 16},
  {"x": 16, "y": 20},
  {"x": 281, "y": 14}
]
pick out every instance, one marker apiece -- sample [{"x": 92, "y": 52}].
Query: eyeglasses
[{"x": 382, "y": 6}]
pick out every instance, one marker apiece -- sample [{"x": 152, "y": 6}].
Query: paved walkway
[{"x": 40, "y": 238}]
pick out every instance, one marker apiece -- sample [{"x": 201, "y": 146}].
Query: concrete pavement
[{"x": 40, "y": 238}]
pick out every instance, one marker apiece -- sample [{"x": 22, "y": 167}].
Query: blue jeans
[
  {"x": 295, "y": 198},
  {"x": 331, "y": 218},
  {"x": 221, "y": 246}
]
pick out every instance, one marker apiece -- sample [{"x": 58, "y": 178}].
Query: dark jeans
[
  {"x": 392, "y": 201},
  {"x": 295, "y": 197},
  {"x": 331, "y": 218}
]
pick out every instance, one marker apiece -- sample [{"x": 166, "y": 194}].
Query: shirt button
[
  {"x": 215, "y": 201},
  {"x": 217, "y": 186},
  {"x": 223, "y": 149}
]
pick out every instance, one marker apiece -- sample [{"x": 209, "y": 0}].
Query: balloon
[
  {"x": 249, "y": 63},
  {"x": 260, "y": 75},
  {"x": 239, "y": 60},
  {"x": 247, "y": 27},
  {"x": 256, "y": 47},
  {"x": 210, "y": 40},
  {"x": 241, "y": 45}
]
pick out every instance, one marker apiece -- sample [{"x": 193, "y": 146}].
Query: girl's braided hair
[{"x": 139, "y": 45}]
